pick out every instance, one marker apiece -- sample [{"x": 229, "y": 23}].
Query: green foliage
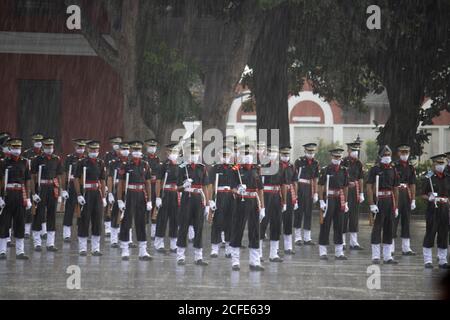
[
  {"x": 323, "y": 154},
  {"x": 371, "y": 151}
]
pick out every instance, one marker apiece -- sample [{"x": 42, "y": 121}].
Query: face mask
[
  {"x": 5, "y": 149},
  {"x": 273, "y": 156},
  {"x": 37, "y": 144},
  {"x": 195, "y": 158},
  {"x": 440, "y": 168},
  {"x": 284, "y": 158},
  {"x": 386, "y": 159},
  {"x": 136, "y": 154},
  {"x": 404, "y": 157},
  {"x": 226, "y": 160},
  {"x": 173, "y": 157},
  {"x": 48, "y": 151},
  {"x": 336, "y": 162},
  {"x": 310, "y": 155},
  {"x": 151, "y": 149},
  {"x": 115, "y": 147},
  {"x": 16, "y": 152},
  {"x": 79, "y": 150},
  {"x": 125, "y": 153},
  {"x": 93, "y": 155},
  {"x": 354, "y": 154},
  {"x": 247, "y": 159}
]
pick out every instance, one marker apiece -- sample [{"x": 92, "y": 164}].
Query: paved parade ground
[{"x": 302, "y": 276}]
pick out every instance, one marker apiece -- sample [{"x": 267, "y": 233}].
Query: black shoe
[
  {"x": 309, "y": 243},
  {"x": 409, "y": 253},
  {"x": 97, "y": 254},
  {"x": 444, "y": 266},
  {"x": 38, "y": 248},
  {"x": 125, "y": 258},
  {"x": 356, "y": 248},
  {"x": 44, "y": 236},
  {"x": 67, "y": 240},
  {"x": 201, "y": 263},
  {"x": 83, "y": 253},
  {"x": 276, "y": 259},
  {"x": 173, "y": 250},
  {"x": 228, "y": 255},
  {"x": 161, "y": 250},
  {"x": 222, "y": 245},
  {"x": 21, "y": 256},
  {"x": 289, "y": 252},
  {"x": 26, "y": 236},
  {"x": 152, "y": 238},
  {"x": 9, "y": 244},
  {"x": 132, "y": 245},
  {"x": 428, "y": 265},
  {"x": 52, "y": 249},
  {"x": 391, "y": 261},
  {"x": 324, "y": 257},
  {"x": 341, "y": 258},
  {"x": 235, "y": 268},
  {"x": 108, "y": 234},
  {"x": 376, "y": 261},
  {"x": 2, "y": 256},
  {"x": 256, "y": 268},
  {"x": 146, "y": 258},
  {"x": 181, "y": 262},
  {"x": 298, "y": 242},
  {"x": 213, "y": 255},
  {"x": 344, "y": 247},
  {"x": 114, "y": 245}
]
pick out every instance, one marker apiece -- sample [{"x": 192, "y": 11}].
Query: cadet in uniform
[
  {"x": 14, "y": 190},
  {"x": 248, "y": 187},
  {"x": 406, "y": 200},
  {"x": 68, "y": 194},
  {"x": 167, "y": 200},
  {"x": 4, "y": 153},
  {"x": 155, "y": 164},
  {"x": 436, "y": 191},
  {"x": 193, "y": 183},
  {"x": 135, "y": 186},
  {"x": 46, "y": 170},
  {"x": 307, "y": 169},
  {"x": 355, "y": 194},
  {"x": 90, "y": 188},
  {"x": 383, "y": 207},
  {"x": 333, "y": 204}
]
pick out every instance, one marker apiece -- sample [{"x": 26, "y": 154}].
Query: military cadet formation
[{"x": 259, "y": 190}]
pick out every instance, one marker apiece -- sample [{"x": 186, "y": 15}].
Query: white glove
[
  {"x": 121, "y": 205},
  {"x": 374, "y": 208},
  {"x": 346, "y": 207},
  {"x": 413, "y": 204},
  {"x": 28, "y": 204},
  {"x": 81, "y": 200},
  {"x": 323, "y": 205},
  {"x": 187, "y": 183},
  {"x": 2, "y": 203},
  {"x": 396, "y": 213},
  {"x": 284, "y": 208},
  {"x": 111, "y": 198},
  {"x": 361, "y": 197},
  {"x": 432, "y": 196},
  {"x": 36, "y": 198},
  {"x": 64, "y": 195},
  {"x": 296, "y": 205},
  {"x": 158, "y": 202},
  {"x": 206, "y": 211},
  {"x": 262, "y": 214},
  {"x": 105, "y": 203},
  {"x": 315, "y": 197},
  {"x": 212, "y": 205},
  {"x": 149, "y": 206},
  {"x": 242, "y": 188}
]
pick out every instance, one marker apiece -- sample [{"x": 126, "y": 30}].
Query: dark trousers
[
  {"x": 351, "y": 218},
  {"x": 245, "y": 210},
  {"x": 272, "y": 203},
  {"x": 302, "y": 216},
  {"x": 153, "y": 199},
  {"x": 191, "y": 211},
  {"x": 69, "y": 208},
  {"x": 287, "y": 216},
  {"x": 28, "y": 214},
  {"x": 135, "y": 208},
  {"x": 383, "y": 222},
  {"x": 115, "y": 214},
  {"x": 437, "y": 221},
  {"x": 334, "y": 215},
  {"x": 13, "y": 215},
  {"x": 222, "y": 217},
  {"x": 167, "y": 213},
  {"x": 91, "y": 214},
  {"x": 404, "y": 214},
  {"x": 45, "y": 208}
]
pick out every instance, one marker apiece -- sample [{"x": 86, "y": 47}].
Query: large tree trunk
[{"x": 269, "y": 64}]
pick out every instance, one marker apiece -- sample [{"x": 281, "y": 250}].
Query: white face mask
[
  {"x": 172, "y": 157},
  {"x": 247, "y": 159},
  {"x": 226, "y": 160},
  {"x": 151, "y": 149},
  {"x": 354, "y": 154},
  {"x": 440, "y": 168},
  {"x": 386, "y": 159},
  {"x": 5, "y": 149},
  {"x": 79, "y": 150},
  {"x": 336, "y": 162},
  {"x": 37, "y": 144},
  {"x": 404, "y": 157},
  {"x": 48, "y": 151},
  {"x": 273, "y": 156},
  {"x": 93, "y": 155},
  {"x": 116, "y": 147},
  {"x": 125, "y": 153},
  {"x": 16, "y": 152},
  {"x": 284, "y": 158},
  {"x": 136, "y": 154},
  {"x": 309, "y": 155}
]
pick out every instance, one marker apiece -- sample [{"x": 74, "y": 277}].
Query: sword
[
  {"x": 6, "y": 182},
  {"x": 39, "y": 178},
  {"x": 299, "y": 173},
  {"x": 429, "y": 175},
  {"x": 127, "y": 180},
  {"x": 84, "y": 186},
  {"x": 240, "y": 180},
  {"x": 326, "y": 194},
  {"x": 377, "y": 191},
  {"x": 68, "y": 182}
]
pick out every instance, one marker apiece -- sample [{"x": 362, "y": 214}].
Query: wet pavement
[{"x": 301, "y": 276}]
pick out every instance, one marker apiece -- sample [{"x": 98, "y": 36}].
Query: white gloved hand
[
  {"x": 396, "y": 213},
  {"x": 323, "y": 205},
  {"x": 413, "y": 204},
  {"x": 206, "y": 212},
  {"x": 81, "y": 200},
  {"x": 28, "y": 204},
  {"x": 432, "y": 196},
  {"x": 64, "y": 195},
  {"x": 242, "y": 188},
  {"x": 158, "y": 202},
  {"x": 111, "y": 198},
  {"x": 346, "y": 209},
  {"x": 284, "y": 208},
  {"x": 315, "y": 197},
  {"x": 374, "y": 208},
  {"x": 262, "y": 214},
  {"x": 36, "y": 198},
  {"x": 2, "y": 203},
  {"x": 361, "y": 197},
  {"x": 296, "y": 205},
  {"x": 212, "y": 205},
  {"x": 187, "y": 183},
  {"x": 105, "y": 203},
  {"x": 121, "y": 205},
  {"x": 149, "y": 206}
]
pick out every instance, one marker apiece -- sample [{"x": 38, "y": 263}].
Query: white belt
[
  {"x": 334, "y": 192},
  {"x": 304, "y": 181},
  {"x": 441, "y": 199},
  {"x": 91, "y": 185},
  {"x": 223, "y": 188},
  {"x": 403, "y": 185},
  {"x": 384, "y": 193},
  {"x": 13, "y": 185},
  {"x": 43, "y": 181},
  {"x": 194, "y": 190},
  {"x": 249, "y": 194},
  {"x": 272, "y": 188},
  {"x": 136, "y": 187}
]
